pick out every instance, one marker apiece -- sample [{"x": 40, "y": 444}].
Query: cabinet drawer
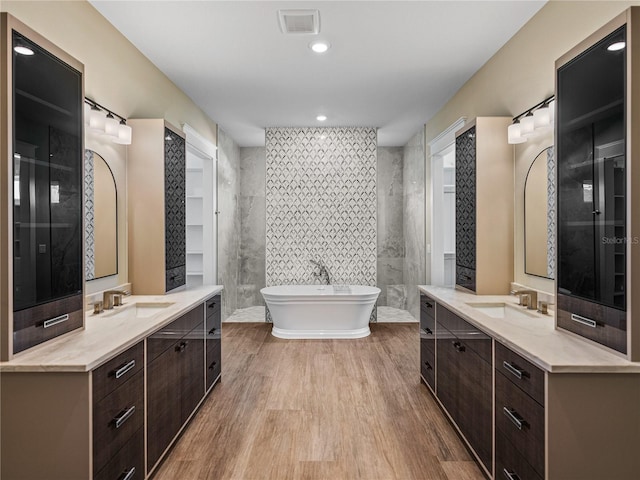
[
  {"x": 466, "y": 277},
  {"x": 128, "y": 463},
  {"x": 428, "y": 362},
  {"x": 116, "y": 418},
  {"x": 472, "y": 337},
  {"x": 510, "y": 465},
  {"x": 213, "y": 305},
  {"x": 521, "y": 372},
  {"x": 521, "y": 421},
  {"x": 175, "y": 277},
  {"x": 167, "y": 337},
  {"x": 33, "y": 326},
  {"x": 214, "y": 361},
  {"x": 117, "y": 371},
  {"x": 609, "y": 324},
  {"x": 428, "y": 306}
]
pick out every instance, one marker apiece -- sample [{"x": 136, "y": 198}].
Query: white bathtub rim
[
  {"x": 314, "y": 299},
  {"x": 320, "y": 334},
  {"x": 327, "y": 293}
]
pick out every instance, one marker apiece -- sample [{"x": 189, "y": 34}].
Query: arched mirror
[
  {"x": 101, "y": 218},
  {"x": 539, "y": 216}
]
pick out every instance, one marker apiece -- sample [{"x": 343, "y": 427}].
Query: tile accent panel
[
  {"x": 551, "y": 212},
  {"x": 321, "y": 204},
  {"x": 89, "y": 218}
]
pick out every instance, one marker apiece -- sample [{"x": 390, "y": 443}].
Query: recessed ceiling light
[
  {"x": 319, "y": 47},
  {"x": 614, "y": 47},
  {"x": 22, "y": 50},
  {"x": 321, "y": 118}
]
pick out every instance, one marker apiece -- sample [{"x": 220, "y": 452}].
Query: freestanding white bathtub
[{"x": 320, "y": 311}]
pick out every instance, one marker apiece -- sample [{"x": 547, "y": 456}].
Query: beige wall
[
  {"x": 117, "y": 76},
  {"x": 520, "y": 75}
]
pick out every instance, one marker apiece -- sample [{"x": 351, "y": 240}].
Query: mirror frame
[
  {"x": 551, "y": 233},
  {"x": 115, "y": 187}
]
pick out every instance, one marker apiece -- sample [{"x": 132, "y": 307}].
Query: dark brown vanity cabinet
[
  {"x": 519, "y": 417},
  {"x": 593, "y": 119},
  {"x": 118, "y": 416},
  {"x": 156, "y": 202},
  {"x": 175, "y": 380},
  {"x": 464, "y": 380},
  {"x": 42, "y": 164},
  {"x": 428, "y": 340}
]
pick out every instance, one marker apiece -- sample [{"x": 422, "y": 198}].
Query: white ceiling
[{"x": 392, "y": 64}]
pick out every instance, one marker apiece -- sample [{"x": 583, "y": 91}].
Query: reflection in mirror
[
  {"x": 539, "y": 216},
  {"x": 101, "y": 218}
]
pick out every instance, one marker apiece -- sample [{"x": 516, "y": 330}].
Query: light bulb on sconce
[
  {"x": 536, "y": 121},
  {"x": 102, "y": 120}
]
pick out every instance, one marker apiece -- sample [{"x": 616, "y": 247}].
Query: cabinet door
[
  {"x": 592, "y": 231},
  {"x": 175, "y": 210},
  {"x": 466, "y": 209},
  {"x": 192, "y": 380},
  {"x": 163, "y": 403},
  {"x": 47, "y": 200}
]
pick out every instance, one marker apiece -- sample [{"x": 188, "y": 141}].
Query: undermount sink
[
  {"x": 501, "y": 310},
  {"x": 139, "y": 310}
]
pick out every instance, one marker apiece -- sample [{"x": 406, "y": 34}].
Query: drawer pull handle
[
  {"x": 514, "y": 417},
  {"x": 429, "y": 305},
  {"x": 119, "y": 421},
  {"x": 428, "y": 331},
  {"x": 584, "y": 320},
  {"x": 212, "y": 330},
  {"x": 510, "y": 475},
  {"x": 429, "y": 367},
  {"x": 181, "y": 348},
  {"x": 515, "y": 371},
  {"x": 125, "y": 368},
  {"x": 129, "y": 474},
  {"x": 212, "y": 366},
  {"x": 55, "y": 321},
  {"x": 212, "y": 305},
  {"x": 458, "y": 346}
]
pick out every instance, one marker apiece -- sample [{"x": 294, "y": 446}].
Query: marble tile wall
[
  {"x": 321, "y": 204},
  {"x": 414, "y": 220},
  {"x": 390, "y": 227},
  {"x": 228, "y": 221},
  {"x": 252, "y": 226}
]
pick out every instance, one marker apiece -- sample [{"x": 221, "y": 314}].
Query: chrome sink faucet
[
  {"x": 528, "y": 298},
  {"x": 323, "y": 271},
  {"x": 107, "y": 298}
]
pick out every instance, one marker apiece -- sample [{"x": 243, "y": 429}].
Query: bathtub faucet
[{"x": 323, "y": 272}]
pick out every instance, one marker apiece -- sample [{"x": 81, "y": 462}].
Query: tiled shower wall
[
  {"x": 390, "y": 228},
  {"x": 252, "y": 226},
  {"x": 228, "y": 221},
  {"x": 414, "y": 269},
  {"x": 321, "y": 204}
]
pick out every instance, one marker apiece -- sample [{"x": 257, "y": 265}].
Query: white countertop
[
  {"x": 103, "y": 337},
  {"x": 535, "y": 338}
]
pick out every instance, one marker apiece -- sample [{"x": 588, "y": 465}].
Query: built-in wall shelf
[{"x": 200, "y": 200}]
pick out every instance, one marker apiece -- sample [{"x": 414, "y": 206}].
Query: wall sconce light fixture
[
  {"x": 533, "y": 122},
  {"x": 102, "y": 120}
]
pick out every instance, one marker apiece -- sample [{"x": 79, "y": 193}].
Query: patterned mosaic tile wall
[
  {"x": 89, "y": 213},
  {"x": 321, "y": 204},
  {"x": 551, "y": 212}
]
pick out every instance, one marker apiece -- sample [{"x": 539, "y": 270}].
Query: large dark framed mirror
[
  {"x": 101, "y": 218},
  {"x": 539, "y": 216}
]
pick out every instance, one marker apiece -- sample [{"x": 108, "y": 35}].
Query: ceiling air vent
[{"x": 299, "y": 22}]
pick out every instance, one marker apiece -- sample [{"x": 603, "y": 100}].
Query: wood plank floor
[{"x": 327, "y": 409}]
